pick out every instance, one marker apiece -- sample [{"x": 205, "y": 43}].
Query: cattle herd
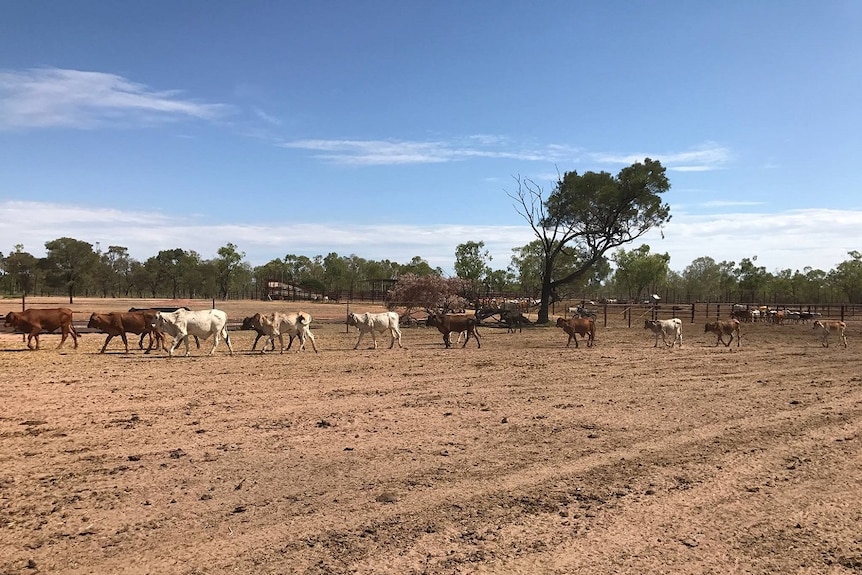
[{"x": 182, "y": 324}]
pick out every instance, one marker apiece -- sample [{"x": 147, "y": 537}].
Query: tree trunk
[{"x": 545, "y": 298}]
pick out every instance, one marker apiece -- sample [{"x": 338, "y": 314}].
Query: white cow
[
  {"x": 280, "y": 323},
  {"x": 664, "y": 328},
  {"x": 200, "y": 323},
  {"x": 376, "y": 322},
  {"x": 827, "y": 327}
]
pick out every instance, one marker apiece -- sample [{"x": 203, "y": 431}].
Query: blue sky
[{"x": 390, "y": 129}]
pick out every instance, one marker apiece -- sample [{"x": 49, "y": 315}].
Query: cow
[
  {"x": 664, "y": 328},
  {"x": 828, "y": 327},
  {"x": 450, "y": 322},
  {"x": 741, "y": 314},
  {"x": 119, "y": 323},
  {"x": 280, "y": 323},
  {"x": 722, "y": 328},
  {"x": 182, "y": 324},
  {"x": 154, "y": 310},
  {"x": 376, "y": 322},
  {"x": 575, "y": 326},
  {"x": 35, "y": 320},
  {"x": 513, "y": 321},
  {"x": 249, "y": 323}
]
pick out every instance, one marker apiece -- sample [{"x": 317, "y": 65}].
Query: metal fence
[{"x": 632, "y": 313}]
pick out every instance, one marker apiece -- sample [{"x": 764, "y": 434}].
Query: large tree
[
  {"x": 69, "y": 263},
  {"x": 847, "y": 277},
  {"x": 638, "y": 270},
  {"x": 587, "y": 215},
  {"x": 227, "y": 265},
  {"x": 471, "y": 262},
  {"x": 22, "y": 268}
]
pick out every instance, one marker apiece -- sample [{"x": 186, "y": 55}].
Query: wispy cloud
[
  {"x": 706, "y": 157},
  {"x": 729, "y": 203},
  {"x": 395, "y": 152},
  {"x": 355, "y": 152},
  {"x": 266, "y": 117},
  {"x": 52, "y": 97}
]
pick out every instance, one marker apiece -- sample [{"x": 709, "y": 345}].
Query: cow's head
[{"x": 12, "y": 318}]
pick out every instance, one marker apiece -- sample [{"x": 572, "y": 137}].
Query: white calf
[
  {"x": 827, "y": 327},
  {"x": 200, "y": 323},
  {"x": 664, "y": 328},
  {"x": 279, "y": 324},
  {"x": 376, "y": 322}
]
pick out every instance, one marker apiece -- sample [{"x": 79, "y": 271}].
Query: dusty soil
[{"x": 519, "y": 457}]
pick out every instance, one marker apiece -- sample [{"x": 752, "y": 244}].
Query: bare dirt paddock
[{"x": 519, "y": 457}]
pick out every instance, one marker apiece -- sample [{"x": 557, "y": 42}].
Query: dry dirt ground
[{"x": 519, "y": 457}]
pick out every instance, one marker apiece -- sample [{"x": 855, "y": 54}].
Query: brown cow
[
  {"x": 583, "y": 326},
  {"x": 449, "y": 322},
  {"x": 33, "y": 321},
  {"x": 722, "y": 328},
  {"x": 120, "y": 323}
]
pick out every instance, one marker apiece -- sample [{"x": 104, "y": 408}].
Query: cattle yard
[{"x": 523, "y": 456}]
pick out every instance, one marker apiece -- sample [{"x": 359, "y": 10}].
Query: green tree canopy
[
  {"x": 638, "y": 270},
  {"x": 69, "y": 263},
  {"x": 847, "y": 276},
  {"x": 227, "y": 264},
  {"x": 588, "y": 215},
  {"x": 471, "y": 261}
]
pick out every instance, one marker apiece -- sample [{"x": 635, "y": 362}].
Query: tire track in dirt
[{"x": 483, "y": 520}]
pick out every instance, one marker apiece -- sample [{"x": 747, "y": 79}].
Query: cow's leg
[
  {"x": 254, "y": 345},
  {"x": 310, "y": 337},
  {"x": 395, "y": 332},
  {"x": 374, "y": 338},
  {"x": 575, "y": 337},
  {"x": 64, "y": 333},
  {"x": 446, "y": 341},
  {"x": 160, "y": 340},
  {"x": 107, "y": 339},
  {"x": 215, "y": 342},
  {"x": 226, "y": 337},
  {"x": 34, "y": 334},
  {"x": 150, "y": 344},
  {"x": 664, "y": 339},
  {"x": 125, "y": 341},
  {"x": 729, "y": 341},
  {"x": 361, "y": 333},
  {"x": 177, "y": 341}
]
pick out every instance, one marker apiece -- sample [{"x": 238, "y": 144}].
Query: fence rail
[{"x": 631, "y": 314}]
